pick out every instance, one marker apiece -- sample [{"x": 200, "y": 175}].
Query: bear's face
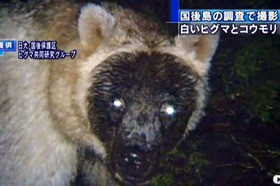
[{"x": 139, "y": 105}]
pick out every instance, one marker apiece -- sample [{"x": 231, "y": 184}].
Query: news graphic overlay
[
  {"x": 39, "y": 50},
  {"x": 174, "y": 8},
  {"x": 42, "y": 50},
  {"x": 229, "y": 21},
  {"x": 7, "y": 46}
]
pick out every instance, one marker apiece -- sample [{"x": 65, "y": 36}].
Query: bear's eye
[
  {"x": 117, "y": 109},
  {"x": 168, "y": 109},
  {"x": 118, "y": 103}
]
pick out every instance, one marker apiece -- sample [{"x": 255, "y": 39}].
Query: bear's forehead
[{"x": 148, "y": 72}]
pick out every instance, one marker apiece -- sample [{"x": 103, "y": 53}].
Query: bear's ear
[
  {"x": 201, "y": 48},
  {"x": 95, "y": 25}
]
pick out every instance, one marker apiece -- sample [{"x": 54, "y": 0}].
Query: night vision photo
[{"x": 108, "y": 116}]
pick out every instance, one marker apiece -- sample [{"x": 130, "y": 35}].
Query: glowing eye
[
  {"x": 118, "y": 103},
  {"x": 168, "y": 109}
]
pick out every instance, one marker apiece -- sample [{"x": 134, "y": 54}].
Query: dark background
[{"x": 238, "y": 141}]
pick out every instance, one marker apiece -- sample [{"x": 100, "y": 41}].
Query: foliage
[{"x": 254, "y": 78}]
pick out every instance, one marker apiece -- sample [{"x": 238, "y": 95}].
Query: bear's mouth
[
  {"x": 132, "y": 180},
  {"x": 133, "y": 166}
]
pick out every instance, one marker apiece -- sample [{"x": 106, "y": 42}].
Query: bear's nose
[{"x": 133, "y": 162}]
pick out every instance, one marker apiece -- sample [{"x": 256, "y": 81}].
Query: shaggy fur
[{"x": 43, "y": 112}]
